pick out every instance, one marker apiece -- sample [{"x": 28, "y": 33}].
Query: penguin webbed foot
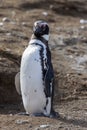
[
  {"x": 38, "y": 114},
  {"x": 54, "y": 114},
  {"x": 23, "y": 113}
]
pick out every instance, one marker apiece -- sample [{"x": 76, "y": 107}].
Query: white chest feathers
[{"x": 31, "y": 78}]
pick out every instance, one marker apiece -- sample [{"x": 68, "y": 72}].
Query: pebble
[
  {"x": 24, "y": 23},
  {"x": 51, "y": 6},
  {"x": 44, "y": 126},
  {"x": 68, "y": 117},
  {"x": 68, "y": 75},
  {"x": 82, "y": 21},
  {"x": 70, "y": 56},
  {"x": 45, "y": 13},
  {"x": 19, "y": 122},
  {"x": 10, "y": 114},
  {"x": 8, "y": 34},
  {"x": 82, "y": 27},
  {"x": 1, "y": 23},
  {"x": 5, "y": 19}
]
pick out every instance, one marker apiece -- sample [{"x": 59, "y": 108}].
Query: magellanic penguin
[{"x": 37, "y": 75}]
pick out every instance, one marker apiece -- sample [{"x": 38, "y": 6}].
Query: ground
[
  {"x": 68, "y": 44},
  {"x": 72, "y": 117}
]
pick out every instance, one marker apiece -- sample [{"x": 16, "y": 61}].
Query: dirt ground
[
  {"x": 72, "y": 117},
  {"x": 68, "y": 44}
]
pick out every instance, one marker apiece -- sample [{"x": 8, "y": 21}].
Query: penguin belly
[{"x": 32, "y": 88}]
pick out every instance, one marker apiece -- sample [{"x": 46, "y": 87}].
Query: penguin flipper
[
  {"x": 48, "y": 75},
  {"x": 17, "y": 83},
  {"x": 48, "y": 81}
]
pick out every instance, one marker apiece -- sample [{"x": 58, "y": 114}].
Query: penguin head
[{"x": 40, "y": 28}]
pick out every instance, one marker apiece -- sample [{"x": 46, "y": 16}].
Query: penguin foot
[
  {"x": 54, "y": 114},
  {"x": 23, "y": 113},
  {"x": 38, "y": 114}
]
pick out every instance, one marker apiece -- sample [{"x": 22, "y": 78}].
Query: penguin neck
[{"x": 44, "y": 38}]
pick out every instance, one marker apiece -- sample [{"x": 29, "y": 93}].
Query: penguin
[{"x": 36, "y": 74}]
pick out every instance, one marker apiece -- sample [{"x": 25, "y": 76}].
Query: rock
[
  {"x": 10, "y": 114},
  {"x": 8, "y": 34},
  {"x": 19, "y": 122},
  {"x": 1, "y": 23},
  {"x": 45, "y": 13},
  {"x": 51, "y": 6},
  {"x": 5, "y": 19},
  {"x": 82, "y": 27},
  {"x": 24, "y": 23},
  {"x": 44, "y": 126},
  {"x": 81, "y": 21}
]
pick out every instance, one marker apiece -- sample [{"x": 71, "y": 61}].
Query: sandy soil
[{"x": 68, "y": 45}]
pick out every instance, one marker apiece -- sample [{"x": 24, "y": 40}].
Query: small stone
[
  {"x": 68, "y": 75},
  {"x": 69, "y": 117},
  {"x": 51, "y": 6},
  {"x": 82, "y": 21},
  {"x": 45, "y": 13},
  {"x": 5, "y": 19},
  {"x": 7, "y": 49},
  {"x": 70, "y": 56},
  {"x": 44, "y": 126},
  {"x": 10, "y": 114},
  {"x": 24, "y": 23},
  {"x": 82, "y": 27},
  {"x": 8, "y": 34},
  {"x": 1, "y": 24},
  {"x": 19, "y": 122}
]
